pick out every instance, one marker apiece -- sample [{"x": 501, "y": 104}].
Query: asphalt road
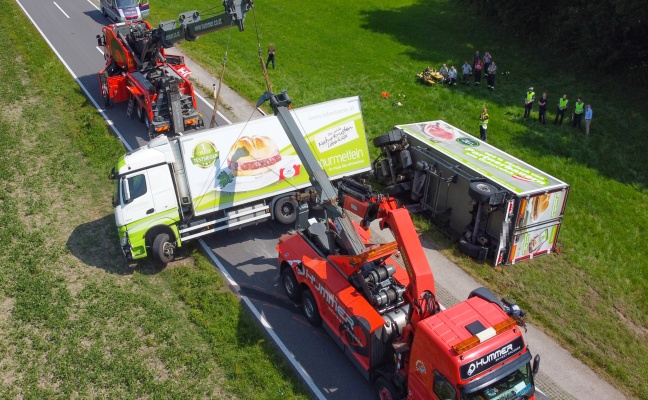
[
  {"x": 250, "y": 258},
  {"x": 71, "y": 27}
]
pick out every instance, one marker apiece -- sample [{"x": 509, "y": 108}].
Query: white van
[{"x": 125, "y": 10}]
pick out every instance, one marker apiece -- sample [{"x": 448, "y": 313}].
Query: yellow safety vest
[
  {"x": 578, "y": 109},
  {"x": 483, "y": 121},
  {"x": 530, "y": 96},
  {"x": 562, "y": 103}
]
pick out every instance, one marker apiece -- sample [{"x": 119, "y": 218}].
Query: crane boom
[{"x": 351, "y": 240}]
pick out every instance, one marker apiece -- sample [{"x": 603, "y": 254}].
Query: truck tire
[
  {"x": 140, "y": 112},
  {"x": 163, "y": 249},
  {"x": 285, "y": 210},
  {"x": 310, "y": 308},
  {"x": 481, "y": 191},
  {"x": 103, "y": 11},
  {"x": 394, "y": 136},
  {"x": 290, "y": 284},
  {"x": 385, "y": 390}
]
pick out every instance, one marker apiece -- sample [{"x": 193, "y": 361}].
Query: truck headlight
[{"x": 124, "y": 240}]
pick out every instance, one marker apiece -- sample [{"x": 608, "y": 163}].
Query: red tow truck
[
  {"x": 156, "y": 84},
  {"x": 378, "y": 301}
]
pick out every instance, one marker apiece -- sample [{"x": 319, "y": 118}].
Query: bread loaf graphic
[
  {"x": 252, "y": 155},
  {"x": 540, "y": 205}
]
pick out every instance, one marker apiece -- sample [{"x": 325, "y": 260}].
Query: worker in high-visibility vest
[
  {"x": 528, "y": 102},
  {"x": 579, "y": 109},
  {"x": 483, "y": 124},
  {"x": 562, "y": 106}
]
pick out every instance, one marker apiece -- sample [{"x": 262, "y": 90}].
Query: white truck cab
[{"x": 125, "y": 10}]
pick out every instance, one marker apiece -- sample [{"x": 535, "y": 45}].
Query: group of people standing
[
  {"x": 477, "y": 67},
  {"x": 451, "y": 76},
  {"x": 580, "y": 110}
]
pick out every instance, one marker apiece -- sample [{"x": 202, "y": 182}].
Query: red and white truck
[
  {"x": 378, "y": 300},
  {"x": 156, "y": 84}
]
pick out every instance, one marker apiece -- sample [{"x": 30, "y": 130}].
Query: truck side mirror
[
  {"x": 125, "y": 191},
  {"x": 536, "y": 364}
]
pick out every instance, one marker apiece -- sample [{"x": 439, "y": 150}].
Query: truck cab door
[
  {"x": 136, "y": 197},
  {"x": 162, "y": 189}
]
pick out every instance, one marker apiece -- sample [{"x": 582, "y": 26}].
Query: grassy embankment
[
  {"x": 75, "y": 320},
  {"x": 593, "y": 296}
]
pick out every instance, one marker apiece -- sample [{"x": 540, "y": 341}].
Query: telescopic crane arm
[
  {"x": 351, "y": 240},
  {"x": 189, "y": 26},
  {"x": 192, "y": 26}
]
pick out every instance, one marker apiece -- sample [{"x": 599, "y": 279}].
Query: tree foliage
[{"x": 603, "y": 34}]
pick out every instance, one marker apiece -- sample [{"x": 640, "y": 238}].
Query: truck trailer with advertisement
[
  {"x": 495, "y": 205},
  {"x": 174, "y": 190}
]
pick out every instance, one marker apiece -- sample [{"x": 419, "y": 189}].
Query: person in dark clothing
[
  {"x": 483, "y": 125},
  {"x": 542, "y": 109},
  {"x": 271, "y": 57},
  {"x": 491, "y": 71},
  {"x": 579, "y": 110},
  {"x": 476, "y": 57},
  {"x": 478, "y": 72},
  {"x": 562, "y": 107}
]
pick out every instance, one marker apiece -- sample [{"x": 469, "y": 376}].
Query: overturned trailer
[{"x": 496, "y": 206}]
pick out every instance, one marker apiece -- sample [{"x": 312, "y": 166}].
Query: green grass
[
  {"x": 76, "y": 320},
  {"x": 593, "y": 296}
]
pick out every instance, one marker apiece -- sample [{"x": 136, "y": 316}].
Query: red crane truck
[
  {"x": 378, "y": 301},
  {"x": 156, "y": 84}
]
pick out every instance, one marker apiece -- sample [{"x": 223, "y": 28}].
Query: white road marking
[
  {"x": 100, "y": 51},
  {"x": 103, "y": 114},
  {"x": 94, "y": 5},
  {"x": 57, "y": 6},
  {"x": 289, "y": 355}
]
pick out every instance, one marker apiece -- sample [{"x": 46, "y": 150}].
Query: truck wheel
[
  {"x": 285, "y": 210},
  {"x": 481, "y": 192},
  {"x": 385, "y": 390},
  {"x": 395, "y": 136},
  {"x": 310, "y": 308},
  {"x": 290, "y": 284},
  {"x": 163, "y": 249},
  {"x": 103, "y": 11}
]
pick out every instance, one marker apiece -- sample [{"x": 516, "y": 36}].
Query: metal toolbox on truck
[{"x": 496, "y": 206}]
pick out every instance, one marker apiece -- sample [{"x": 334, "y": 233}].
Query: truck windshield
[
  {"x": 517, "y": 385},
  {"x": 127, "y": 3}
]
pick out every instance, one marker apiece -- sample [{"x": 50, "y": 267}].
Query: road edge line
[{"x": 264, "y": 322}]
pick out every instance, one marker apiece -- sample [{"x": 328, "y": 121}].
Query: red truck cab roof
[{"x": 476, "y": 335}]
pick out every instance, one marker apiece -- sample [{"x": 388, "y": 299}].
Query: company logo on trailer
[
  {"x": 468, "y": 142},
  {"x": 205, "y": 154},
  {"x": 289, "y": 172}
]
